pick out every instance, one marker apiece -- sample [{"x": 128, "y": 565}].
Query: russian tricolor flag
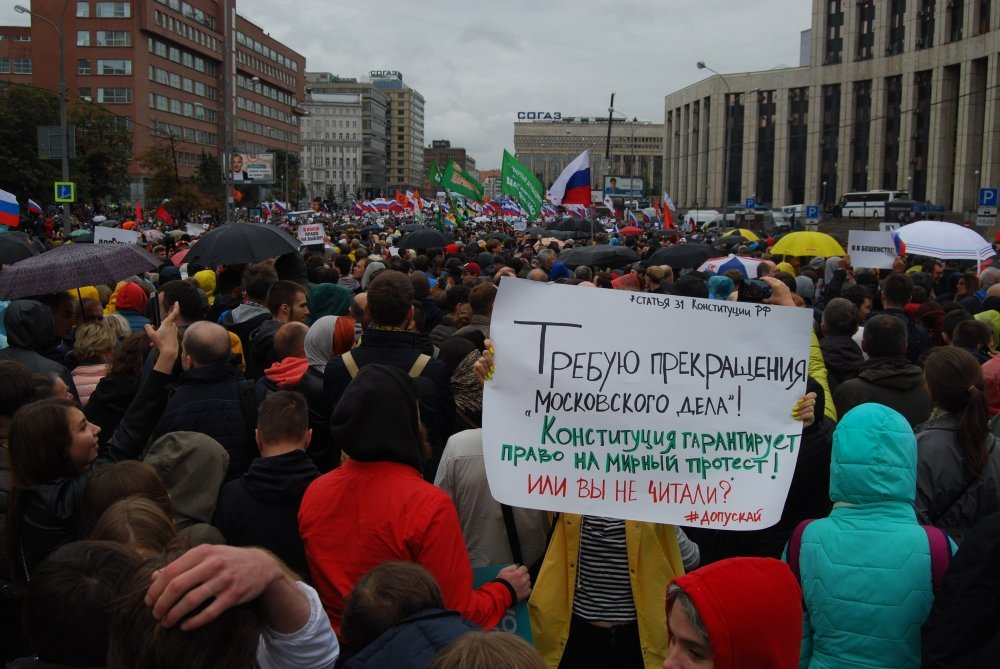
[
  {"x": 34, "y": 208},
  {"x": 10, "y": 210},
  {"x": 573, "y": 185}
]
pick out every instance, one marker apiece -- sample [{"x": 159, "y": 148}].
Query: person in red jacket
[
  {"x": 740, "y": 613},
  {"x": 377, "y": 507}
]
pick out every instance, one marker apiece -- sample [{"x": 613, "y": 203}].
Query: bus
[{"x": 868, "y": 204}]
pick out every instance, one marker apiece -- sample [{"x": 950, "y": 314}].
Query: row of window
[
  {"x": 331, "y": 110},
  {"x": 105, "y": 10},
  {"x": 309, "y": 148},
  {"x": 266, "y": 51},
  {"x": 190, "y": 12},
  {"x": 352, "y": 177},
  {"x": 185, "y": 58},
  {"x": 175, "y": 80},
  {"x": 21, "y": 65},
  {"x": 107, "y": 67},
  {"x": 319, "y": 161},
  {"x": 108, "y": 96},
  {"x": 104, "y": 38},
  {"x": 330, "y": 135},
  {"x": 186, "y": 31},
  {"x": 188, "y": 109},
  {"x": 185, "y": 133},
  {"x": 265, "y": 131},
  {"x": 327, "y": 123},
  {"x": 266, "y": 90},
  {"x": 17, "y": 38},
  {"x": 252, "y": 62},
  {"x": 263, "y": 109}
]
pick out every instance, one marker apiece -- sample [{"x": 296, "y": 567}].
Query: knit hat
[
  {"x": 359, "y": 422},
  {"x": 805, "y": 288},
  {"x": 472, "y": 268},
  {"x": 733, "y": 596},
  {"x": 328, "y": 299},
  {"x": 132, "y": 297}
]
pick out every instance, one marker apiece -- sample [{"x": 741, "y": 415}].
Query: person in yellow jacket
[{"x": 598, "y": 600}]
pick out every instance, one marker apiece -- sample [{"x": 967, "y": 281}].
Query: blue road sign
[
  {"x": 812, "y": 212},
  {"x": 988, "y": 197},
  {"x": 65, "y": 191},
  {"x": 751, "y": 203}
]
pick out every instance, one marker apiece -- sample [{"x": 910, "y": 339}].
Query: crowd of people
[{"x": 281, "y": 463}]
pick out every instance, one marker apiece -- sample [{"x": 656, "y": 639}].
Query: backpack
[{"x": 937, "y": 540}]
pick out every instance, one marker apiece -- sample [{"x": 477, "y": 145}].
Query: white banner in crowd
[
  {"x": 105, "y": 235},
  {"x": 871, "y": 250},
  {"x": 195, "y": 229},
  {"x": 311, "y": 233},
  {"x": 644, "y": 407}
]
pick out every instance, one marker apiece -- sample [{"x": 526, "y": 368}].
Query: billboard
[
  {"x": 630, "y": 186},
  {"x": 255, "y": 168}
]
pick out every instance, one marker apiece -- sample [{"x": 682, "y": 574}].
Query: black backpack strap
[{"x": 512, "y": 538}]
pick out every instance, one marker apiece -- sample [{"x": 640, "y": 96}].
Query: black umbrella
[
  {"x": 16, "y": 246},
  {"x": 412, "y": 227},
  {"x": 682, "y": 256},
  {"x": 367, "y": 230},
  {"x": 238, "y": 243},
  {"x": 73, "y": 265},
  {"x": 499, "y": 235},
  {"x": 730, "y": 240},
  {"x": 536, "y": 230},
  {"x": 601, "y": 255},
  {"x": 577, "y": 225},
  {"x": 426, "y": 238}
]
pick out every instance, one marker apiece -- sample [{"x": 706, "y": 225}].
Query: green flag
[
  {"x": 434, "y": 174},
  {"x": 455, "y": 180},
  {"x": 517, "y": 180}
]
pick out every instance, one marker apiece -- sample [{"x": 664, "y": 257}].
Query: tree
[
  {"x": 103, "y": 153},
  {"x": 22, "y": 110},
  {"x": 165, "y": 183},
  {"x": 294, "y": 184}
]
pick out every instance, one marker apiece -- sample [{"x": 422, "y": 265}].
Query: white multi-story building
[
  {"x": 889, "y": 94},
  {"x": 331, "y": 146}
]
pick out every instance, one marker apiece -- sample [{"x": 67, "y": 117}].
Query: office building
[
  {"x": 442, "y": 152},
  {"x": 405, "y": 128},
  {"x": 159, "y": 65},
  {"x": 546, "y": 147},
  {"x": 888, "y": 94},
  {"x": 373, "y": 122},
  {"x": 332, "y": 147}
]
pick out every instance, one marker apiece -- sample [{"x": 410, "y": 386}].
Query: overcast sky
[{"x": 478, "y": 63}]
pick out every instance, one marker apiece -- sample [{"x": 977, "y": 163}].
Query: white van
[
  {"x": 796, "y": 210},
  {"x": 695, "y": 218}
]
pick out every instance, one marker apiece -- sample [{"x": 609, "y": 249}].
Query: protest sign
[
  {"x": 643, "y": 406},
  {"x": 515, "y": 619},
  {"x": 195, "y": 229},
  {"x": 311, "y": 233},
  {"x": 871, "y": 250},
  {"x": 105, "y": 235}
]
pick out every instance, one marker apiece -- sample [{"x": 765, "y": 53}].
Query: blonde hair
[
  {"x": 119, "y": 325},
  {"x": 94, "y": 340},
  {"x": 488, "y": 650}
]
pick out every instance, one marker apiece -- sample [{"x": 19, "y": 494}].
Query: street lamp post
[
  {"x": 729, "y": 130},
  {"x": 632, "y": 158},
  {"x": 63, "y": 128}
]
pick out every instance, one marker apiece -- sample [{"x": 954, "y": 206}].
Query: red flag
[
  {"x": 164, "y": 215},
  {"x": 138, "y": 211},
  {"x": 668, "y": 218},
  {"x": 401, "y": 199}
]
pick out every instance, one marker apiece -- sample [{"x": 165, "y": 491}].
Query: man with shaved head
[{"x": 211, "y": 396}]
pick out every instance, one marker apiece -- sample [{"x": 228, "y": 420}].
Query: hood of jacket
[
  {"x": 29, "y": 325},
  {"x": 280, "y": 477},
  {"x": 247, "y": 311},
  {"x": 131, "y": 296},
  {"x": 895, "y": 373},
  {"x": 732, "y": 595},
  {"x": 874, "y": 457},
  {"x": 287, "y": 373},
  {"x": 377, "y": 420},
  {"x": 193, "y": 466}
]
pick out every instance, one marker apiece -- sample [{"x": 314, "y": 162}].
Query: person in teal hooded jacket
[{"x": 866, "y": 569}]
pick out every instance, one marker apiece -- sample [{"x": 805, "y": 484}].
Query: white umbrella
[
  {"x": 721, "y": 265},
  {"x": 99, "y": 218},
  {"x": 940, "y": 239}
]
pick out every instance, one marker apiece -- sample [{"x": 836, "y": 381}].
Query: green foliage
[
  {"x": 103, "y": 153},
  {"x": 22, "y": 110}
]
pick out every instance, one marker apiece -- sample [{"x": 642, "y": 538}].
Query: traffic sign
[
  {"x": 812, "y": 212},
  {"x": 986, "y": 221},
  {"x": 751, "y": 203},
  {"x": 65, "y": 191},
  {"x": 988, "y": 197}
]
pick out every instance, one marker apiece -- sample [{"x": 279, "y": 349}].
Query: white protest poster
[
  {"x": 871, "y": 250},
  {"x": 105, "y": 235},
  {"x": 644, "y": 407},
  {"x": 195, "y": 229},
  {"x": 311, "y": 233}
]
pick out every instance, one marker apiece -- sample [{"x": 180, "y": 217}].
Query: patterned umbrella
[
  {"x": 748, "y": 266},
  {"x": 72, "y": 265}
]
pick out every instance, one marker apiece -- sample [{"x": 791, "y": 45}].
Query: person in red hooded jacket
[{"x": 740, "y": 613}]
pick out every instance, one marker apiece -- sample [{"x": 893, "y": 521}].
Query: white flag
[{"x": 609, "y": 204}]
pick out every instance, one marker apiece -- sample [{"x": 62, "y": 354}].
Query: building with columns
[{"x": 889, "y": 94}]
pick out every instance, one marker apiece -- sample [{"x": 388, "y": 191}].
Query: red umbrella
[
  {"x": 630, "y": 230},
  {"x": 178, "y": 258}
]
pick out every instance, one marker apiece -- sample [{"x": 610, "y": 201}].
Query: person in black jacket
[
  {"x": 388, "y": 341},
  {"x": 963, "y": 628},
  {"x": 54, "y": 450},
  {"x": 211, "y": 397},
  {"x": 261, "y": 507},
  {"x": 842, "y": 355}
]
